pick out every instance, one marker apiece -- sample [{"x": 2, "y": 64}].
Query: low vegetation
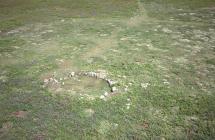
[{"x": 98, "y": 69}]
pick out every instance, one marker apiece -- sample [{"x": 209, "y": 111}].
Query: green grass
[{"x": 162, "y": 51}]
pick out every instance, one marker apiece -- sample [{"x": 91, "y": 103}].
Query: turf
[{"x": 160, "y": 52}]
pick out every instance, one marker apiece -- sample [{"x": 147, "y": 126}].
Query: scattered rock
[
  {"x": 53, "y": 84},
  {"x": 3, "y": 78},
  {"x": 111, "y": 82},
  {"x": 106, "y": 94},
  {"x": 102, "y": 74},
  {"x": 140, "y": 44},
  {"x": 114, "y": 50},
  {"x": 192, "y": 14},
  {"x": 16, "y": 47},
  {"x": 13, "y": 32},
  {"x": 50, "y": 31},
  {"x": 55, "y": 80},
  {"x": 103, "y": 35},
  {"x": 50, "y": 81},
  {"x": 102, "y": 97},
  {"x": 91, "y": 74},
  {"x": 166, "y": 30},
  {"x": 123, "y": 39},
  {"x": 185, "y": 40},
  {"x": 144, "y": 85},
  {"x": 127, "y": 107},
  {"x": 113, "y": 89},
  {"x": 165, "y": 82},
  {"x": 182, "y": 14},
  {"x": 72, "y": 74},
  {"x": 46, "y": 80}
]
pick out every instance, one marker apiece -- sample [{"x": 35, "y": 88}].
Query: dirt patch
[{"x": 20, "y": 114}]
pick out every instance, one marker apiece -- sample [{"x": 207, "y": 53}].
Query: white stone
[
  {"x": 102, "y": 97},
  {"x": 166, "y": 30},
  {"x": 144, "y": 85},
  {"x": 91, "y": 74},
  {"x": 103, "y": 35},
  {"x": 122, "y": 39},
  {"x": 106, "y": 94},
  {"x": 72, "y": 74},
  {"x": 102, "y": 74},
  {"x": 113, "y": 89},
  {"x": 111, "y": 82},
  {"x": 56, "y": 81},
  {"x": 51, "y": 79},
  {"x": 116, "y": 125},
  {"x": 185, "y": 40},
  {"x": 46, "y": 80}
]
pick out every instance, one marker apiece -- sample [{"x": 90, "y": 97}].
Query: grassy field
[{"x": 159, "y": 54}]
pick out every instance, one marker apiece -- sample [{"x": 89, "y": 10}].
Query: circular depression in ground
[{"x": 90, "y": 84}]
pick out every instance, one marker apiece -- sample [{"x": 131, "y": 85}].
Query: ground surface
[{"x": 160, "y": 52}]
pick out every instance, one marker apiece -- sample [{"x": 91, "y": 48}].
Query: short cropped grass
[{"x": 160, "y": 52}]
